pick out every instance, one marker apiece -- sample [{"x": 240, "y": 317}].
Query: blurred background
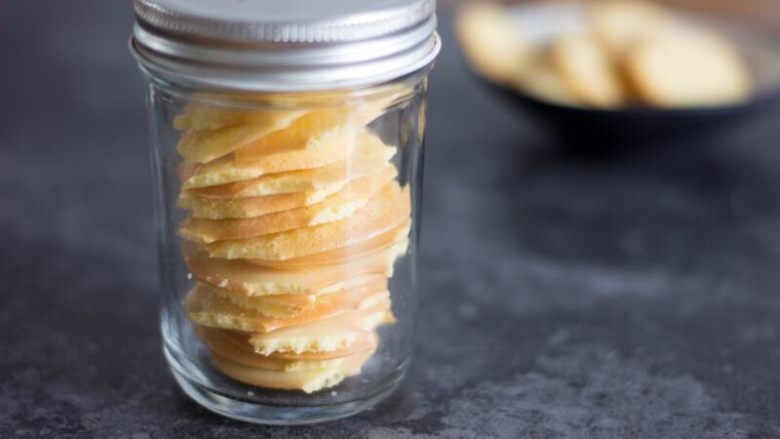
[{"x": 591, "y": 266}]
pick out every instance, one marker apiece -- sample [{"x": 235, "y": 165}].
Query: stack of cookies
[
  {"x": 295, "y": 220},
  {"x": 604, "y": 54}
]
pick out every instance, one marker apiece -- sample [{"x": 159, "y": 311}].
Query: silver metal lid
[{"x": 284, "y": 45}]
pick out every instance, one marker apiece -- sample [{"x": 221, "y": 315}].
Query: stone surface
[{"x": 561, "y": 297}]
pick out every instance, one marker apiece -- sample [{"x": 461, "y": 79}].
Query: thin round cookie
[
  {"x": 337, "y": 207},
  {"x": 394, "y": 242},
  {"x": 250, "y": 280},
  {"x": 234, "y": 346},
  {"x": 206, "y": 308},
  {"x": 588, "y": 71},
  {"x": 383, "y": 212},
  {"x": 307, "y": 380},
  {"x": 491, "y": 42},
  {"x": 360, "y": 292},
  {"x": 248, "y": 207},
  {"x": 543, "y": 81},
  {"x": 620, "y": 24},
  {"x": 325, "y": 335},
  {"x": 239, "y": 341},
  {"x": 200, "y": 146},
  {"x": 687, "y": 69},
  {"x": 365, "y": 341},
  {"x": 371, "y": 155},
  {"x": 258, "y": 131},
  {"x": 333, "y": 145}
]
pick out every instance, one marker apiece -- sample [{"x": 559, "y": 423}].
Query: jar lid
[{"x": 283, "y": 45}]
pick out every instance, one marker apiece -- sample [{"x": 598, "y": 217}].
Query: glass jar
[{"x": 286, "y": 145}]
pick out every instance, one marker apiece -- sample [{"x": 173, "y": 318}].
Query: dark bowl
[{"x": 598, "y": 129}]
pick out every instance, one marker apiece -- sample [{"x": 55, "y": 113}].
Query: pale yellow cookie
[
  {"x": 358, "y": 292},
  {"x": 326, "y": 335},
  {"x": 687, "y": 68},
  {"x": 215, "y": 132},
  {"x": 308, "y": 381},
  {"x": 251, "y": 280},
  {"x": 332, "y": 145},
  {"x": 394, "y": 239},
  {"x": 206, "y": 307},
  {"x": 371, "y": 155},
  {"x": 218, "y": 207},
  {"x": 235, "y": 346},
  {"x": 332, "y": 209},
  {"x": 386, "y": 210},
  {"x": 199, "y": 146},
  {"x": 364, "y": 342},
  {"x": 620, "y": 24},
  {"x": 543, "y": 81},
  {"x": 235, "y": 341},
  {"x": 490, "y": 42},
  {"x": 339, "y": 206},
  {"x": 588, "y": 71},
  {"x": 202, "y": 116}
]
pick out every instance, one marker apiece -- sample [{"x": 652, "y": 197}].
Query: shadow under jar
[{"x": 287, "y": 156}]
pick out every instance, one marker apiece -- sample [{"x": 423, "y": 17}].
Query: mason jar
[{"x": 287, "y": 146}]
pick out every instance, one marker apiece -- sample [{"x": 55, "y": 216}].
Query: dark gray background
[{"x": 561, "y": 297}]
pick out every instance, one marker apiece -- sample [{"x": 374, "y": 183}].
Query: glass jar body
[{"x": 288, "y": 228}]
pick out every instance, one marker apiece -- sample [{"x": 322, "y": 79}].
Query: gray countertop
[{"x": 561, "y": 297}]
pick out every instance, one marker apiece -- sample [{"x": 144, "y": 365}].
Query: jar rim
[{"x": 401, "y": 88}]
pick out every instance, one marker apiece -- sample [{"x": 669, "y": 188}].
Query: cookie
[
  {"x": 490, "y": 41},
  {"x": 544, "y": 82},
  {"x": 395, "y": 240},
  {"x": 336, "y": 207},
  {"x": 365, "y": 341},
  {"x": 360, "y": 292},
  {"x": 249, "y": 280},
  {"x": 687, "y": 68},
  {"x": 331, "y": 145},
  {"x": 248, "y": 207},
  {"x": 383, "y": 212},
  {"x": 212, "y": 131},
  {"x": 370, "y": 156},
  {"x": 588, "y": 71},
  {"x": 308, "y": 381},
  {"x": 620, "y": 24},
  {"x": 206, "y": 307},
  {"x": 234, "y": 346},
  {"x": 332, "y": 209},
  {"x": 200, "y": 146},
  {"x": 325, "y": 335}
]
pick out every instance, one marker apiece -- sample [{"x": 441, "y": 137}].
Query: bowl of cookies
[{"x": 621, "y": 72}]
